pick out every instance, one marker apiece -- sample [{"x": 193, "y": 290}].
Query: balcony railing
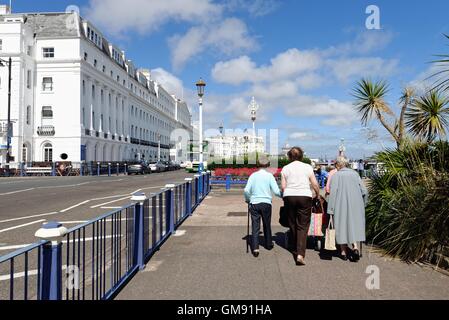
[{"x": 46, "y": 131}]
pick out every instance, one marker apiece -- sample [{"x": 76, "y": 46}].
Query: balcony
[
  {"x": 3, "y": 128},
  {"x": 46, "y": 131},
  {"x": 87, "y": 132},
  {"x": 135, "y": 141}
]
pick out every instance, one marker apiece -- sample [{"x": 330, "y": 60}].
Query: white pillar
[{"x": 201, "y": 130}]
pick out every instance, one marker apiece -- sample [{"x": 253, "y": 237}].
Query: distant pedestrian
[
  {"x": 297, "y": 179},
  {"x": 347, "y": 201},
  {"x": 361, "y": 168},
  {"x": 258, "y": 194},
  {"x": 332, "y": 171}
]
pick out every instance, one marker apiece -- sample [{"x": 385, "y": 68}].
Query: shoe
[
  {"x": 270, "y": 247},
  {"x": 343, "y": 257},
  {"x": 300, "y": 262},
  {"x": 356, "y": 255},
  {"x": 256, "y": 253}
]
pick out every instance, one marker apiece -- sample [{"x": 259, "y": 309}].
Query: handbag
[
  {"x": 316, "y": 219},
  {"x": 330, "y": 236},
  {"x": 283, "y": 218}
]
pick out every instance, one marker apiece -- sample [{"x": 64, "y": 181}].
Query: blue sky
[{"x": 299, "y": 58}]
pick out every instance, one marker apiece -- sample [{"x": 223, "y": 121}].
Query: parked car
[
  {"x": 138, "y": 168},
  {"x": 174, "y": 165},
  {"x": 157, "y": 167},
  {"x": 167, "y": 165},
  {"x": 183, "y": 165}
]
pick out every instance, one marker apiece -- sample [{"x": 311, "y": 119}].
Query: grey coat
[{"x": 348, "y": 198}]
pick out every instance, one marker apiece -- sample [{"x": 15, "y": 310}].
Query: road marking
[
  {"x": 111, "y": 207},
  {"x": 135, "y": 191},
  {"x": 109, "y": 197},
  {"x": 16, "y": 275},
  {"x": 103, "y": 204},
  {"x": 29, "y": 217},
  {"x": 15, "y": 247},
  {"x": 18, "y": 191},
  {"x": 76, "y": 205},
  {"x": 22, "y": 225}
]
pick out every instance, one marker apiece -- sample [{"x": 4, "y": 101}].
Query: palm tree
[
  {"x": 427, "y": 117},
  {"x": 443, "y": 82},
  {"x": 371, "y": 102}
]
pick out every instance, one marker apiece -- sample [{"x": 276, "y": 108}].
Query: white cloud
[
  {"x": 228, "y": 37},
  {"x": 143, "y": 16},
  {"x": 346, "y": 69},
  {"x": 298, "y": 135},
  {"x": 365, "y": 42},
  {"x": 171, "y": 83},
  {"x": 256, "y": 8},
  {"x": 285, "y": 65}
]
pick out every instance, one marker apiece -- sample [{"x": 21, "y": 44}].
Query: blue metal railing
[
  {"x": 227, "y": 181},
  {"x": 101, "y": 255}
]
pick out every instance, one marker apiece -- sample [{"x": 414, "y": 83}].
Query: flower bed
[{"x": 243, "y": 172}]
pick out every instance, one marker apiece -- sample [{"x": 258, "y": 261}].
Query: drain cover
[{"x": 237, "y": 214}]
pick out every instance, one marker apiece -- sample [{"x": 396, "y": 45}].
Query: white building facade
[
  {"x": 229, "y": 146},
  {"x": 76, "y": 97}
]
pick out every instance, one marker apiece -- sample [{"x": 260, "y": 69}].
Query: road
[{"x": 26, "y": 203}]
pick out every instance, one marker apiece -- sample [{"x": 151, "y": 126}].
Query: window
[
  {"x": 84, "y": 88},
  {"x": 95, "y": 63},
  {"x": 104, "y": 68},
  {"x": 85, "y": 56},
  {"x": 48, "y": 52},
  {"x": 24, "y": 153},
  {"x": 47, "y": 112},
  {"x": 47, "y": 84},
  {"x": 28, "y": 119},
  {"x": 30, "y": 51},
  {"x": 29, "y": 79},
  {"x": 48, "y": 152}
]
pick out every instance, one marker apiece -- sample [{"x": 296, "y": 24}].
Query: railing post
[
  {"x": 98, "y": 168},
  {"x": 118, "y": 169},
  {"x": 209, "y": 174},
  {"x": 53, "y": 169},
  {"x": 170, "y": 207},
  {"x": 89, "y": 168},
  {"x": 197, "y": 191},
  {"x": 22, "y": 168},
  {"x": 138, "y": 257},
  {"x": 109, "y": 169},
  {"x": 188, "y": 196},
  {"x": 51, "y": 261},
  {"x": 126, "y": 169},
  {"x": 81, "y": 169},
  {"x": 228, "y": 182}
]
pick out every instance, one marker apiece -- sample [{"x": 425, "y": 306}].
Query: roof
[{"x": 53, "y": 25}]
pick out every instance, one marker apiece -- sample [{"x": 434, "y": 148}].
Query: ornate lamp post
[
  {"x": 342, "y": 148},
  {"x": 200, "y": 85},
  {"x": 253, "y": 107},
  {"x": 8, "y": 134},
  {"x": 221, "y": 128}
]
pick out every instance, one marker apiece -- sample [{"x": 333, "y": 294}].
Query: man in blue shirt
[{"x": 258, "y": 194}]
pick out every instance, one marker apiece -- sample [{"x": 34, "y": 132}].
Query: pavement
[
  {"x": 207, "y": 260},
  {"x": 27, "y": 203}
]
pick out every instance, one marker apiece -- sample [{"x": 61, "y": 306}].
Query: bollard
[
  {"x": 138, "y": 257},
  {"x": 89, "y": 168},
  {"x": 98, "y": 168},
  {"x": 126, "y": 170},
  {"x": 81, "y": 169},
  {"x": 188, "y": 196},
  {"x": 228, "y": 182},
  {"x": 22, "y": 168},
  {"x": 109, "y": 169},
  {"x": 118, "y": 169},
  {"x": 170, "y": 208},
  {"x": 51, "y": 260}
]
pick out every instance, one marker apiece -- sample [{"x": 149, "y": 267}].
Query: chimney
[{"x": 5, "y": 9}]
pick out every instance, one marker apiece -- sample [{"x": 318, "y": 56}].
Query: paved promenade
[{"x": 207, "y": 260}]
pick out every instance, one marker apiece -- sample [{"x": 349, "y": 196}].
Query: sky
[{"x": 300, "y": 59}]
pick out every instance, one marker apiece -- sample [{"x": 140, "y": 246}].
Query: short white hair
[{"x": 342, "y": 162}]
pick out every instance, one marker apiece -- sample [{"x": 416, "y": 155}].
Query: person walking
[
  {"x": 258, "y": 194},
  {"x": 333, "y": 171},
  {"x": 347, "y": 201},
  {"x": 297, "y": 180},
  {"x": 361, "y": 168}
]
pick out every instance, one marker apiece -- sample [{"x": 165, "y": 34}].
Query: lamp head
[{"x": 200, "y": 85}]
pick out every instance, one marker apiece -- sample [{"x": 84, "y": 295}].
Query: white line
[
  {"x": 19, "y": 246},
  {"x": 29, "y": 217},
  {"x": 76, "y": 205},
  {"x": 18, "y": 191},
  {"x": 135, "y": 191},
  {"x": 22, "y": 225},
  {"x": 102, "y": 204},
  {"x": 110, "y": 197},
  {"x": 111, "y": 207}
]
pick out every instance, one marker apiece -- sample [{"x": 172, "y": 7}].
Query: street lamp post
[
  {"x": 200, "y": 85},
  {"x": 158, "y": 147},
  {"x": 8, "y": 134},
  {"x": 221, "y": 128}
]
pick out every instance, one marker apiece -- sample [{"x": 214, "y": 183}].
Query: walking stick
[{"x": 247, "y": 231}]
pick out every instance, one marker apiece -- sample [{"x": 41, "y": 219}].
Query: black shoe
[
  {"x": 356, "y": 255},
  {"x": 270, "y": 247},
  {"x": 255, "y": 254},
  {"x": 343, "y": 257}
]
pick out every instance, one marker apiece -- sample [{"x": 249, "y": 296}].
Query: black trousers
[
  {"x": 299, "y": 211},
  {"x": 258, "y": 211}
]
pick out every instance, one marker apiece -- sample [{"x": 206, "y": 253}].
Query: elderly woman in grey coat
[{"x": 347, "y": 201}]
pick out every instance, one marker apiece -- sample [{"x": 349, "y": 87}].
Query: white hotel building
[{"x": 76, "y": 97}]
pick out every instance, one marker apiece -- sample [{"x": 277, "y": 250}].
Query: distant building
[{"x": 228, "y": 146}]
